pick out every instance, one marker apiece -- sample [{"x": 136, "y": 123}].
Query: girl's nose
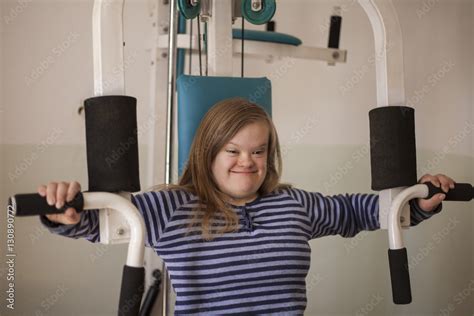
[{"x": 245, "y": 160}]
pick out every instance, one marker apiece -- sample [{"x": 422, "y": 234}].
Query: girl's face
[{"x": 241, "y": 165}]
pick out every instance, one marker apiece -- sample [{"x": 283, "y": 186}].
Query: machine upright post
[
  {"x": 172, "y": 51},
  {"x": 219, "y": 41},
  {"x": 108, "y": 43},
  {"x": 390, "y": 81}
]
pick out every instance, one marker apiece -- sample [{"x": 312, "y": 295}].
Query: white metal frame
[
  {"x": 104, "y": 200},
  {"x": 107, "y": 38},
  {"x": 158, "y": 22},
  {"x": 220, "y": 39},
  {"x": 109, "y": 79},
  {"x": 395, "y": 237},
  {"x": 390, "y": 81},
  {"x": 261, "y": 49}
]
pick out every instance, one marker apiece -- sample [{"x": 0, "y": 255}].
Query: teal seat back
[{"x": 196, "y": 95}]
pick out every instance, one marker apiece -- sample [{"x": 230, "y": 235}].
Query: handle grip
[
  {"x": 461, "y": 192},
  {"x": 400, "y": 276},
  {"x": 131, "y": 293},
  {"x": 34, "y": 204},
  {"x": 334, "y": 31}
]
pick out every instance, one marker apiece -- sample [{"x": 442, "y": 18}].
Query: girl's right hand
[{"x": 57, "y": 193}]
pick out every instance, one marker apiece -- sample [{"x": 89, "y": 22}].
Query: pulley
[
  {"x": 258, "y": 11},
  {"x": 189, "y": 8}
]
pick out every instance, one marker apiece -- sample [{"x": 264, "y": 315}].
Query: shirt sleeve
[
  {"x": 155, "y": 207},
  {"x": 88, "y": 226},
  {"x": 348, "y": 214}
]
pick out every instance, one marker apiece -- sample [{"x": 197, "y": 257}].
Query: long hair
[{"x": 221, "y": 123}]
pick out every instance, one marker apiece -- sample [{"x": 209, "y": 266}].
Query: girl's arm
[
  {"x": 155, "y": 207},
  {"x": 348, "y": 214}
]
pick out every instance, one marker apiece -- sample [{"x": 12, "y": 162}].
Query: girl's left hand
[{"x": 438, "y": 180}]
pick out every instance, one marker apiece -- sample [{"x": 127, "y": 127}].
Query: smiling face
[{"x": 240, "y": 167}]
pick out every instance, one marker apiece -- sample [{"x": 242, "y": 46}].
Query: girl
[{"x": 234, "y": 239}]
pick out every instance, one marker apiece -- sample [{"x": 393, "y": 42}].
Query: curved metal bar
[
  {"x": 107, "y": 43},
  {"x": 388, "y": 57},
  {"x": 389, "y": 70},
  {"x": 104, "y": 200},
  {"x": 394, "y": 229}
]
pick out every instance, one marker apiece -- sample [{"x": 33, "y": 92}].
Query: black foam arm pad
[
  {"x": 334, "y": 31},
  {"x": 112, "y": 143},
  {"x": 34, "y": 204},
  {"x": 392, "y": 147},
  {"x": 461, "y": 192},
  {"x": 400, "y": 276},
  {"x": 131, "y": 293}
]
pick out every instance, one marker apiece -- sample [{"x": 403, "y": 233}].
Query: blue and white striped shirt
[{"x": 259, "y": 269}]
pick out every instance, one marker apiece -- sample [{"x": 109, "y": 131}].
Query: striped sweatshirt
[{"x": 259, "y": 269}]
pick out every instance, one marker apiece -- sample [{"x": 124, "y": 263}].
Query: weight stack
[
  {"x": 112, "y": 144},
  {"x": 392, "y": 147}
]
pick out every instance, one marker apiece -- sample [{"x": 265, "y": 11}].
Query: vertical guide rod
[{"x": 172, "y": 51}]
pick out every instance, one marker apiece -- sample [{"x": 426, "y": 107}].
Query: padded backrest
[{"x": 196, "y": 95}]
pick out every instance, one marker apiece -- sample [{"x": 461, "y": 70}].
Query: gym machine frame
[{"x": 108, "y": 57}]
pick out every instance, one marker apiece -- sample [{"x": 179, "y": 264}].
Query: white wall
[
  {"x": 328, "y": 130},
  {"x": 47, "y": 71}
]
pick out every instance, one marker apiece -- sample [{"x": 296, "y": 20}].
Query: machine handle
[
  {"x": 151, "y": 295},
  {"x": 334, "y": 31},
  {"x": 461, "y": 192},
  {"x": 31, "y": 204},
  {"x": 400, "y": 276},
  {"x": 133, "y": 283}
]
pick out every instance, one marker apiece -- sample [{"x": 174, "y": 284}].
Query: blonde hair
[{"x": 221, "y": 123}]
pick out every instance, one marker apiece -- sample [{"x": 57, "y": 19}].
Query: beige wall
[{"x": 321, "y": 115}]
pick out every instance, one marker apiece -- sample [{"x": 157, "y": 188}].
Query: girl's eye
[
  {"x": 259, "y": 152},
  {"x": 231, "y": 151}
]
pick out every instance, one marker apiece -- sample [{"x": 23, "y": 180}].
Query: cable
[
  {"x": 190, "y": 46},
  {"x": 206, "y": 42},
  {"x": 199, "y": 46},
  {"x": 242, "y": 50}
]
